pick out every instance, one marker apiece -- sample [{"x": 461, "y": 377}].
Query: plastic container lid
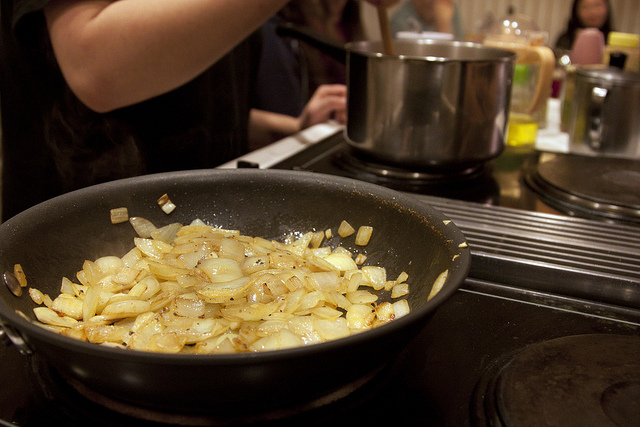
[
  {"x": 623, "y": 39},
  {"x": 609, "y": 75}
]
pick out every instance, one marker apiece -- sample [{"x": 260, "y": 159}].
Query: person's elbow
[
  {"x": 96, "y": 91},
  {"x": 103, "y": 87}
]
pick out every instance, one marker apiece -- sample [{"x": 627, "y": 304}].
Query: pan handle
[
  {"x": 10, "y": 335},
  {"x": 331, "y": 47}
]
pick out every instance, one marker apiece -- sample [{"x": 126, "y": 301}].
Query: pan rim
[{"x": 455, "y": 279}]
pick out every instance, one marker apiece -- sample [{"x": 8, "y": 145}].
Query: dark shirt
[
  {"x": 291, "y": 71},
  {"x": 52, "y": 143},
  {"x": 283, "y": 82}
]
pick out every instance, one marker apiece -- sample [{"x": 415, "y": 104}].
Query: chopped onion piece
[
  {"x": 326, "y": 281},
  {"x": 142, "y": 226},
  {"x": 402, "y": 277},
  {"x": 19, "y": 273},
  {"x": 364, "y": 235},
  {"x": 377, "y": 276},
  {"x": 361, "y": 297},
  {"x": 165, "y": 204},
  {"x": 90, "y": 303},
  {"x": 331, "y": 329},
  {"x": 341, "y": 261},
  {"x": 278, "y": 341},
  {"x": 36, "y": 295},
  {"x": 389, "y": 285},
  {"x": 167, "y": 233},
  {"x": 360, "y": 316},
  {"x": 345, "y": 229},
  {"x": 148, "y": 247},
  {"x": 119, "y": 215},
  {"x": 221, "y": 270},
  {"x": 399, "y": 290},
  {"x": 317, "y": 239},
  {"x": 50, "y": 317},
  {"x": 127, "y": 308},
  {"x": 438, "y": 284},
  {"x": 401, "y": 308},
  {"x": 385, "y": 312},
  {"x": 109, "y": 264}
]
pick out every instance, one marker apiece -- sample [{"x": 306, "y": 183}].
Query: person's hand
[
  {"x": 443, "y": 11},
  {"x": 438, "y": 13},
  {"x": 328, "y": 102}
]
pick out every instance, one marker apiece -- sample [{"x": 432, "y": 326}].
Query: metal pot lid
[{"x": 609, "y": 75}]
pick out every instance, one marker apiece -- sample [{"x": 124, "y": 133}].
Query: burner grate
[{"x": 561, "y": 255}]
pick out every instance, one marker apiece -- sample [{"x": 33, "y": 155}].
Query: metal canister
[{"x": 605, "y": 117}]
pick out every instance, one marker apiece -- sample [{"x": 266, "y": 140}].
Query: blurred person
[
  {"x": 291, "y": 70},
  {"x": 97, "y": 90},
  {"x": 586, "y": 14},
  {"x": 440, "y": 16}
]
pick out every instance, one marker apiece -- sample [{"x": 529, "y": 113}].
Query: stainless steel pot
[
  {"x": 434, "y": 104},
  {"x": 605, "y": 118}
]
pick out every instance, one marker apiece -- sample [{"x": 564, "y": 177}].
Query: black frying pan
[{"x": 52, "y": 240}]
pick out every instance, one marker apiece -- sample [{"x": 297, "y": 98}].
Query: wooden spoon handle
[{"x": 385, "y": 31}]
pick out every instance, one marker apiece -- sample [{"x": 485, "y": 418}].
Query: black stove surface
[
  {"x": 438, "y": 380},
  {"x": 494, "y": 183},
  {"x": 604, "y": 189}
]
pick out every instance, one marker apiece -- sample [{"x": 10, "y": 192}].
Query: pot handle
[
  {"x": 594, "y": 120},
  {"x": 331, "y": 47}
]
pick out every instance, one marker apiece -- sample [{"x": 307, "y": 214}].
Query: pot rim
[{"x": 373, "y": 49}]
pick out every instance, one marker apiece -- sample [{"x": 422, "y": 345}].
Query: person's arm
[
  {"x": 118, "y": 53},
  {"x": 327, "y": 102}
]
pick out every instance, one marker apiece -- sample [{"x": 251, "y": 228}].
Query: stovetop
[
  {"x": 542, "y": 282},
  {"x": 603, "y": 189},
  {"x": 442, "y": 378}
]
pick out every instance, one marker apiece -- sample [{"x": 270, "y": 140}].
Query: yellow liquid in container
[{"x": 523, "y": 129}]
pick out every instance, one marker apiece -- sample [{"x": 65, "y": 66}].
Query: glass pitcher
[{"x": 533, "y": 75}]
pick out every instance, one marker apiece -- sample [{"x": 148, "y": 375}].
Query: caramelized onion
[{"x": 201, "y": 289}]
